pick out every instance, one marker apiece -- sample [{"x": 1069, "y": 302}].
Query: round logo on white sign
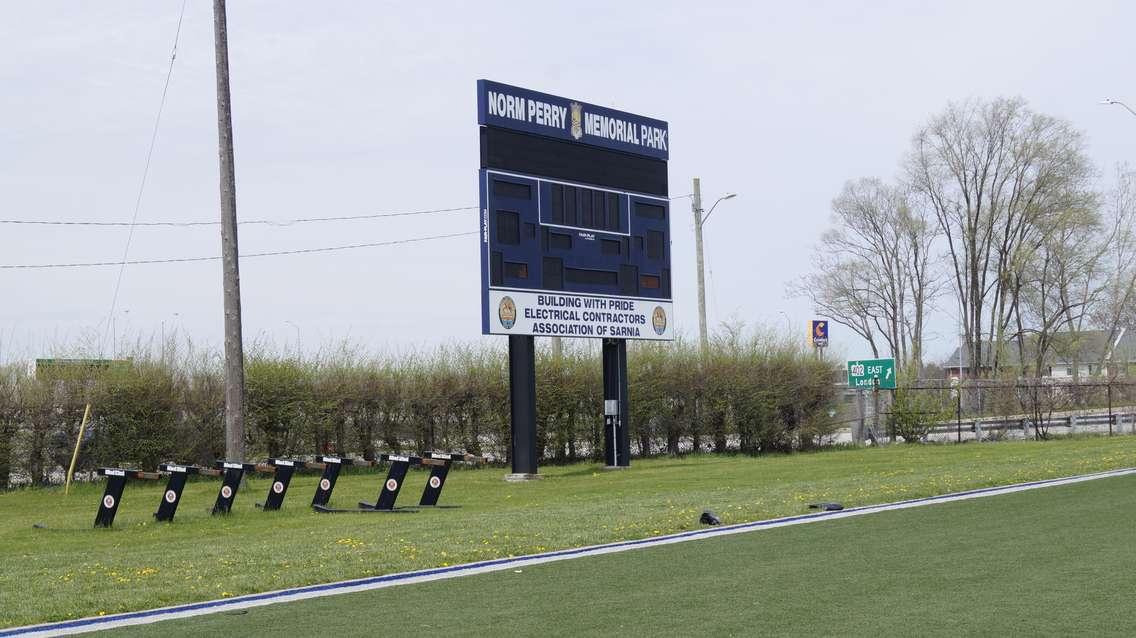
[
  {"x": 226, "y": 491},
  {"x": 659, "y": 320},
  {"x": 392, "y": 485},
  {"x": 108, "y": 501},
  {"x": 171, "y": 496},
  {"x": 325, "y": 484},
  {"x": 507, "y": 312},
  {"x": 278, "y": 487},
  {"x": 435, "y": 482}
]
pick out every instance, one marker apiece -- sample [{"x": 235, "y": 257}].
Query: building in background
[{"x": 1089, "y": 353}]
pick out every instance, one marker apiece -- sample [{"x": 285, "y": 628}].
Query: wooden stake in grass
[{"x": 75, "y": 454}]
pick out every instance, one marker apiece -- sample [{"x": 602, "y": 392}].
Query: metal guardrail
[{"x": 1117, "y": 419}]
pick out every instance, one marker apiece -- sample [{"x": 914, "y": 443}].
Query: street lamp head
[
  {"x": 719, "y": 201},
  {"x": 1111, "y": 101}
]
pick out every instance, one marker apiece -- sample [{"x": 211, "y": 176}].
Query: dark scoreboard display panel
[{"x": 575, "y": 218}]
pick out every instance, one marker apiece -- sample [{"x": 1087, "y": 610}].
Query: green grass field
[
  {"x": 69, "y": 570},
  {"x": 1058, "y": 561}
]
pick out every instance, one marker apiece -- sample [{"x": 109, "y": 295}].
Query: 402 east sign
[
  {"x": 575, "y": 218},
  {"x": 872, "y": 373}
]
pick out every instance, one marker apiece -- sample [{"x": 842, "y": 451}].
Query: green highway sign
[{"x": 872, "y": 373}]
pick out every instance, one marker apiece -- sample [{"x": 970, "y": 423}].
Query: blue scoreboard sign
[{"x": 575, "y": 218}]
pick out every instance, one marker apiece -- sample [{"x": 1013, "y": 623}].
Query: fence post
[
  {"x": 861, "y": 418},
  {"x": 876, "y": 407},
  {"x": 889, "y": 401},
  {"x": 1109, "y": 389},
  {"x": 958, "y": 409}
]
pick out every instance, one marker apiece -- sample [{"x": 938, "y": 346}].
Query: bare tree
[
  {"x": 1117, "y": 308},
  {"x": 923, "y": 280},
  {"x": 1062, "y": 279},
  {"x": 867, "y": 233},
  {"x": 872, "y": 270},
  {"x": 996, "y": 176},
  {"x": 840, "y": 291}
]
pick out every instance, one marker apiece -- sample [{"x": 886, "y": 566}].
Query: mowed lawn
[
  {"x": 68, "y": 570},
  {"x": 1056, "y": 561}
]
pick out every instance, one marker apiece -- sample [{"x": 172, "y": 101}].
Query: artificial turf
[
  {"x": 68, "y": 570},
  {"x": 1055, "y": 561}
]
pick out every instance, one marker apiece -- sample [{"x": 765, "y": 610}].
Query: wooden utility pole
[
  {"x": 696, "y": 208},
  {"x": 699, "y": 221},
  {"x": 234, "y": 347}
]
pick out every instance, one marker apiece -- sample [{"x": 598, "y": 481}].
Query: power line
[
  {"x": 273, "y": 253},
  {"x": 145, "y": 174},
  {"x": 264, "y": 222}
]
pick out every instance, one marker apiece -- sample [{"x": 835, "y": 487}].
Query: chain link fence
[{"x": 978, "y": 409}]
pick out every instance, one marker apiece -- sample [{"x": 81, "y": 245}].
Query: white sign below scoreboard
[{"x": 565, "y": 315}]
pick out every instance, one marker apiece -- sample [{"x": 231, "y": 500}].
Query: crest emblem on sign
[
  {"x": 507, "y": 312},
  {"x": 577, "y": 113},
  {"x": 659, "y": 320}
]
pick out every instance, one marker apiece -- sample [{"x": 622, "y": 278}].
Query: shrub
[
  {"x": 915, "y": 411},
  {"x": 748, "y": 393}
]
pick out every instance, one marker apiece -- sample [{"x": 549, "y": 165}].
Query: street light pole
[{"x": 699, "y": 220}]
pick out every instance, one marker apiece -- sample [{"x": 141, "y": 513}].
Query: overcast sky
[{"x": 351, "y": 108}]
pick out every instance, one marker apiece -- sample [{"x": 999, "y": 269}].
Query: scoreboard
[{"x": 575, "y": 218}]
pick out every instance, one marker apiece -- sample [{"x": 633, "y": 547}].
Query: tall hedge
[{"x": 747, "y": 394}]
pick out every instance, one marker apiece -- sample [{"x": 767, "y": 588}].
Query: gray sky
[{"x": 360, "y": 107}]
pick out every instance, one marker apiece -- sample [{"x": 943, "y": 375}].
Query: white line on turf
[{"x": 421, "y": 576}]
